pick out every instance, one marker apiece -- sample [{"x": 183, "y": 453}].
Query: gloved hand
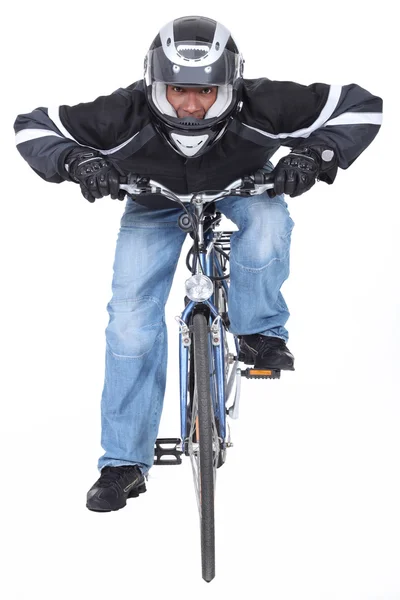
[
  {"x": 296, "y": 173},
  {"x": 95, "y": 174}
]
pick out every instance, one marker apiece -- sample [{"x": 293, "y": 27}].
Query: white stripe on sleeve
[
  {"x": 356, "y": 118},
  {"x": 31, "y": 134}
]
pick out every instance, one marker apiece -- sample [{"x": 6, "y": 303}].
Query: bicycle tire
[{"x": 205, "y": 439}]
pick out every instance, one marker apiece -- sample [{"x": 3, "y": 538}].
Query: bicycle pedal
[
  {"x": 162, "y": 449},
  {"x": 261, "y": 373}
]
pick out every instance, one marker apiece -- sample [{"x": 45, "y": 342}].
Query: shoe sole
[{"x": 133, "y": 494}]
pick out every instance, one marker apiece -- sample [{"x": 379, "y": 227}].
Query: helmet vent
[
  {"x": 192, "y": 51},
  {"x": 188, "y": 124},
  {"x": 192, "y": 47},
  {"x": 168, "y": 41}
]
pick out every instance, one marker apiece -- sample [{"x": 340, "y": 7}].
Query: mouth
[{"x": 183, "y": 114}]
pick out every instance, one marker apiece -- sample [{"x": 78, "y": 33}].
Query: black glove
[
  {"x": 296, "y": 173},
  {"x": 95, "y": 174}
]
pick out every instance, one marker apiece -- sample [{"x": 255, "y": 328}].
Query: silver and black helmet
[{"x": 195, "y": 52}]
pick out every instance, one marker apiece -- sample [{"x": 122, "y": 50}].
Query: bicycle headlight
[{"x": 199, "y": 288}]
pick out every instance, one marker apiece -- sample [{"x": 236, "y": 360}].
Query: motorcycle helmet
[{"x": 193, "y": 52}]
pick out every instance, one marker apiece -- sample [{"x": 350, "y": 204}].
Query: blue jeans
[{"x": 147, "y": 252}]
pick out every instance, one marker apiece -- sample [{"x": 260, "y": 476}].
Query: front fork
[{"x": 216, "y": 348}]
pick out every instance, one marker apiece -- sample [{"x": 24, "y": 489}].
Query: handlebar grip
[{"x": 261, "y": 177}]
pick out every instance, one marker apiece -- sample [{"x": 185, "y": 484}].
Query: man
[{"x": 193, "y": 123}]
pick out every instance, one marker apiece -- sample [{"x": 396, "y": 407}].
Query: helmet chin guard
[
  {"x": 189, "y": 144},
  {"x": 193, "y": 52}
]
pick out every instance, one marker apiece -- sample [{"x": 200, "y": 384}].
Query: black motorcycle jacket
[{"x": 273, "y": 113}]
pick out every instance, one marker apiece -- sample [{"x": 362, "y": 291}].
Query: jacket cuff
[
  {"x": 62, "y": 159},
  {"x": 328, "y": 176}
]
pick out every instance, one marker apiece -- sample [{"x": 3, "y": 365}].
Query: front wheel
[{"x": 203, "y": 443}]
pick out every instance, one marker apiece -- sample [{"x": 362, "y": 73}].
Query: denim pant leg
[
  {"x": 147, "y": 252},
  {"x": 259, "y": 264}
]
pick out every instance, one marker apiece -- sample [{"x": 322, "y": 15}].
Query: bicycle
[{"x": 208, "y": 371}]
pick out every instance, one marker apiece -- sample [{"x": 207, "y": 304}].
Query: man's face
[{"x": 191, "y": 101}]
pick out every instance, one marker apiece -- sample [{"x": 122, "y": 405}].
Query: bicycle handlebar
[{"x": 250, "y": 185}]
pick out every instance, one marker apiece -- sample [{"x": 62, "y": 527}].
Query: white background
[{"x": 308, "y": 501}]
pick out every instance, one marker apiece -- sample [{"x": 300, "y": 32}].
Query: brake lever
[{"x": 135, "y": 185}]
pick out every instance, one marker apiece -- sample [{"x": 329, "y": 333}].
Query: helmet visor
[{"x": 194, "y": 66}]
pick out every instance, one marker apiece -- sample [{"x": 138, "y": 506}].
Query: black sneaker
[
  {"x": 265, "y": 352},
  {"x": 114, "y": 486}
]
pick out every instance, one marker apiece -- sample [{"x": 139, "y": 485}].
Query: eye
[
  {"x": 176, "y": 88},
  {"x": 206, "y": 90}
]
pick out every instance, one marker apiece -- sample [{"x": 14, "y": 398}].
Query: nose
[{"x": 191, "y": 103}]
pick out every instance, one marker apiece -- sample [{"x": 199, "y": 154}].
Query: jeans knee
[
  {"x": 264, "y": 236},
  {"x": 134, "y": 326}
]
